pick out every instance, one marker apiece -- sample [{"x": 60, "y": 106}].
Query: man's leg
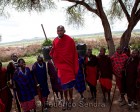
[
  {"x": 61, "y": 95},
  {"x": 91, "y": 90},
  {"x": 109, "y": 100},
  {"x": 94, "y": 91},
  {"x": 66, "y": 95},
  {"x": 71, "y": 93},
  {"x": 70, "y": 99},
  {"x": 104, "y": 96},
  {"x": 66, "y": 100},
  {"x": 120, "y": 87},
  {"x": 81, "y": 94},
  {"x": 122, "y": 91}
]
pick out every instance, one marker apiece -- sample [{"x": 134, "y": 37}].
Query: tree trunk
[
  {"x": 106, "y": 26},
  {"x": 125, "y": 38},
  {"x": 108, "y": 35}
]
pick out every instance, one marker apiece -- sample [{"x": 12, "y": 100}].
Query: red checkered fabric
[{"x": 118, "y": 62}]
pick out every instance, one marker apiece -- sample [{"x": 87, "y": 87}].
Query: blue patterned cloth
[
  {"x": 69, "y": 85},
  {"x": 25, "y": 85},
  {"x": 40, "y": 73},
  {"x": 80, "y": 78}
]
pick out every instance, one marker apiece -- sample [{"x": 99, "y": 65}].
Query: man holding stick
[{"x": 11, "y": 68}]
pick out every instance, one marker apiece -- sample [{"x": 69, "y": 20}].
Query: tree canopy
[
  {"x": 130, "y": 9},
  {"x": 26, "y": 5}
]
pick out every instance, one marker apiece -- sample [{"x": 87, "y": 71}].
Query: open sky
[{"x": 25, "y": 25}]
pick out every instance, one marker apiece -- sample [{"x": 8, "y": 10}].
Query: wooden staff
[
  {"x": 112, "y": 98},
  {"x": 17, "y": 101},
  {"x": 52, "y": 62},
  {"x": 48, "y": 73},
  {"x": 13, "y": 89},
  {"x": 44, "y": 31}
]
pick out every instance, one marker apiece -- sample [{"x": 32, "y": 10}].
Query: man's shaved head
[
  {"x": 61, "y": 27},
  {"x": 60, "y": 31}
]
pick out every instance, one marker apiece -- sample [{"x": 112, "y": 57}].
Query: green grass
[
  {"x": 31, "y": 59},
  {"x": 95, "y": 52},
  {"x": 28, "y": 60}
]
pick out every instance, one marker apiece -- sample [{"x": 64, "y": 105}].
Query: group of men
[{"x": 67, "y": 69}]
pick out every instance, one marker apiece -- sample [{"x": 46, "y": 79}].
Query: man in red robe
[
  {"x": 2, "y": 106},
  {"x": 131, "y": 69},
  {"x": 118, "y": 61},
  {"x": 65, "y": 58},
  {"x": 105, "y": 73},
  {"x": 5, "y": 94},
  {"x": 91, "y": 63}
]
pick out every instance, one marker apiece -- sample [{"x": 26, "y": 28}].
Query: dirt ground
[{"x": 89, "y": 105}]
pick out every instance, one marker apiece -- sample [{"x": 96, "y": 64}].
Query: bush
[
  {"x": 135, "y": 43},
  {"x": 47, "y": 42}
]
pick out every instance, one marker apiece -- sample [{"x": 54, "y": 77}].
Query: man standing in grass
[{"x": 65, "y": 58}]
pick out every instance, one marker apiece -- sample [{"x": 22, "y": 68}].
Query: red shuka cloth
[
  {"x": 91, "y": 73},
  {"x": 28, "y": 105},
  {"x": 106, "y": 83},
  {"x": 4, "y": 94},
  {"x": 65, "y": 57},
  {"x": 2, "y": 106}
]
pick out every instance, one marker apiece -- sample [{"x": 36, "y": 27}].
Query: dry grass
[
  {"x": 21, "y": 51},
  {"x": 94, "y": 43}
]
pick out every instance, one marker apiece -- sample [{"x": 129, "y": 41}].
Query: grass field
[
  {"x": 28, "y": 48},
  {"x": 29, "y": 60}
]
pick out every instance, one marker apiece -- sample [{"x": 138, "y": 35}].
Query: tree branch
[
  {"x": 138, "y": 14},
  {"x": 72, "y": 6},
  {"x": 124, "y": 10},
  {"x": 135, "y": 7},
  {"x": 83, "y": 3}
]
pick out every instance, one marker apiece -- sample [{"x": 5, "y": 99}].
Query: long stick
[
  {"x": 48, "y": 73},
  {"x": 44, "y": 31},
  {"x": 112, "y": 98},
  {"x": 17, "y": 102},
  {"x": 16, "y": 97}
]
